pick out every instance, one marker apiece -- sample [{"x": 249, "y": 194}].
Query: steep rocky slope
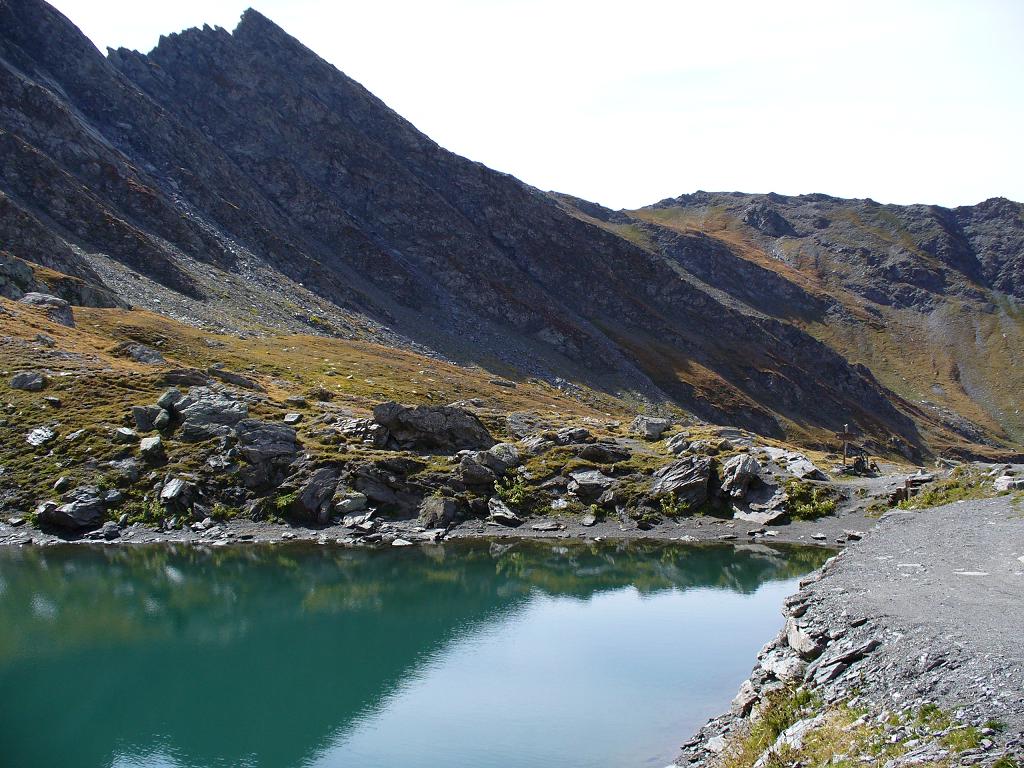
[
  {"x": 928, "y": 298},
  {"x": 237, "y": 181}
]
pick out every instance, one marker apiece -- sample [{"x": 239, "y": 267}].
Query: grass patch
[
  {"x": 963, "y": 739},
  {"x": 962, "y": 485},
  {"x": 781, "y": 710},
  {"x": 807, "y": 501}
]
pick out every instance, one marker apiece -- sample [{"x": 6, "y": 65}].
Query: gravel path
[{"x": 927, "y": 609}]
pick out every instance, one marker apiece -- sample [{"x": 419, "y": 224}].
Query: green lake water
[{"x": 466, "y": 655}]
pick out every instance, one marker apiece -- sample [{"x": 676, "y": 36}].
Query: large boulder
[
  {"x": 431, "y": 427},
  {"x": 30, "y": 381},
  {"x": 499, "y": 512},
  {"x": 589, "y": 484},
  {"x": 262, "y": 442},
  {"x": 207, "y": 413},
  {"x": 16, "y": 276},
  {"x": 738, "y": 473},
  {"x": 145, "y": 416},
  {"x": 649, "y": 427},
  {"x": 475, "y": 473},
  {"x": 499, "y": 458},
  {"x": 83, "y": 507},
  {"x": 58, "y": 310},
  {"x": 314, "y": 499},
  {"x": 603, "y": 453},
  {"x": 687, "y": 479},
  {"x": 438, "y": 512}
]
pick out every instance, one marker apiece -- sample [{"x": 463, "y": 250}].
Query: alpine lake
[{"x": 462, "y": 655}]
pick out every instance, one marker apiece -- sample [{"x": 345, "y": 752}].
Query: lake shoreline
[
  {"x": 829, "y": 532},
  {"x": 920, "y": 661}
]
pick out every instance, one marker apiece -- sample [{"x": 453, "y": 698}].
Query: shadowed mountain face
[{"x": 237, "y": 180}]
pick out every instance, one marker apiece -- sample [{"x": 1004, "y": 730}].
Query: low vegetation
[
  {"x": 845, "y": 735},
  {"x": 808, "y": 501},
  {"x": 963, "y": 484}
]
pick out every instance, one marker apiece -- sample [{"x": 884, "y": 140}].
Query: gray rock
[
  {"x": 589, "y": 484},
  {"x": 745, "y": 699},
  {"x": 803, "y": 468},
  {"x": 572, "y": 436},
  {"x": 292, "y": 418},
  {"x": 1008, "y": 483},
  {"x": 62, "y": 484},
  {"x": 177, "y": 493},
  {"x": 365, "y": 430},
  {"x": 687, "y": 479},
  {"x": 110, "y": 530},
  {"x": 738, "y": 473},
  {"x": 783, "y": 666},
  {"x": 145, "y": 417},
  {"x": 170, "y": 399},
  {"x": 548, "y": 525},
  {"x": 437, "y": 512},
  {"x": 649, "y": 427},
  {"x": 40, "y": 436},
  {"x": 152, "y": 449},
  {"x": 140, "y": 353},
  {"x": 207, "y": 413},
  {"x": 603, "y": 453},
  {"x": 82, "y": 508},
  {"x": 427, "y": 427},
  {"x": 58, "y": 310},
  {"x": 678, "y": 444},
  {"x": 499, "y": 512},
  {"x": 162, "y": 420},
  {"x": 347, "y": 501},
  {"x": 125, "y": 435},
  {"x": 127, "y": 470},
  {"x": 588, "y": 520},
  {"x": 499, "y": 458},
  {"x": 474, "y": 473},
  {"x": 263, "y": 441},
  {"x": 29, "y": 381},
  {"x": 314, "y": 500},
  {"x": 808, "y": 644}
]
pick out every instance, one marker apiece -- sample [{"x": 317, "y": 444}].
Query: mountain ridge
[{"x": 239, "y": 181}]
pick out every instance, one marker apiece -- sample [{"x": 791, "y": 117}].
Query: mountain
[{"x": 238, "y": 182}]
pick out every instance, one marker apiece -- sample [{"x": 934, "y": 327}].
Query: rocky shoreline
[
  {"x": 904, "y": 649},
  {"x": 826, "y": 532}
]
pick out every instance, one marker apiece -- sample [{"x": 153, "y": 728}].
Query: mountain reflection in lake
[{"x": 467, "y": 654}]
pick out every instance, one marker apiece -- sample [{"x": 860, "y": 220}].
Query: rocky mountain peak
[{"x": 238, "y": 180}]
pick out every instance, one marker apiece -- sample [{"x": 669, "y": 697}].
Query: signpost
[{"x": 845, "y": 436}]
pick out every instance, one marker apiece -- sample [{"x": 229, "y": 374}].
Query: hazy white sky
[{"x": 628, "y": 103}]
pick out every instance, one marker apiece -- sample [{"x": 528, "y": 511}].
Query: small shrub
[
  {"x": 1006, "y": 761},
  {"x": 806, "y": 501},
  {"x": 671, "y": 506},
  {"x": 512, "y": 490}
]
